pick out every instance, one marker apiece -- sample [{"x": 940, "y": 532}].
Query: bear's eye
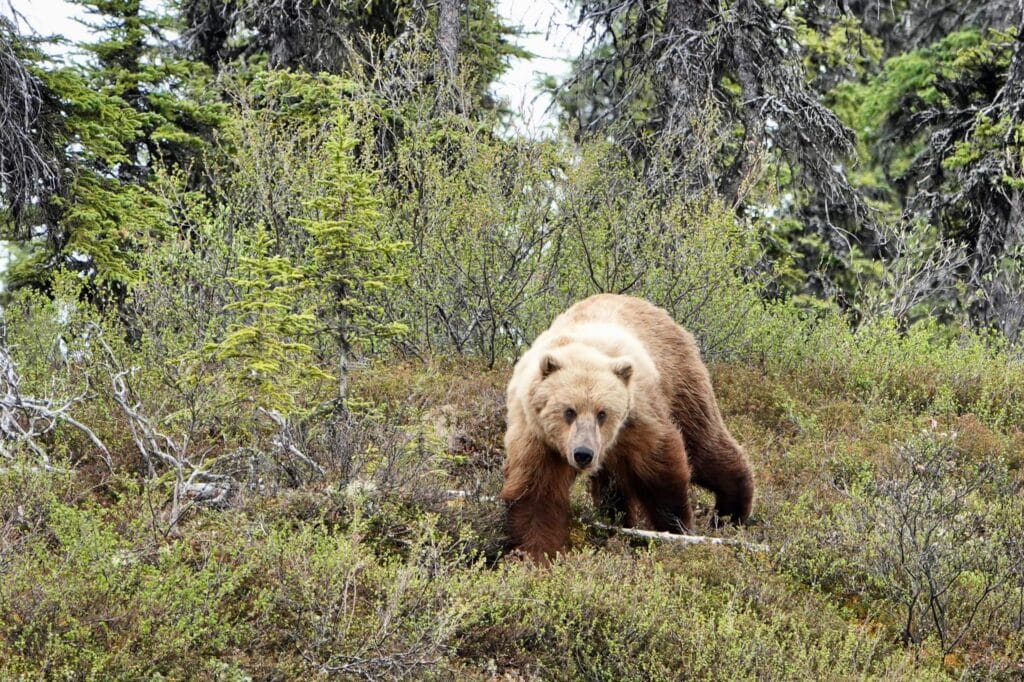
[
  {"x": 601, "y": 416},
  {"x": 570, "y": 415}
]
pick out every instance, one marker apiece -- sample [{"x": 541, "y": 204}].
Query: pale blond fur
[{"x": 617, "y": 376}]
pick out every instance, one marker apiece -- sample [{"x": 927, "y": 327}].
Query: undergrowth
[{"x": 372, "y": 571}]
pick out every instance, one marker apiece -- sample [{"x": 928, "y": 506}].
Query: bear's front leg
[
  {"x": 661, "y": 481},
  {"x": 537, "y": 487}
]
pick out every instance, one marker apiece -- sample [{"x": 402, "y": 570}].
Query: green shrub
[{"x": 81, "y": 601}]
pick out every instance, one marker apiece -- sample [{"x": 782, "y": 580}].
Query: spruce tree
[
  {"x": 130, "y": 104},
  {"x": 351, "y": 261},
  {"x": 133, "y": 61}
]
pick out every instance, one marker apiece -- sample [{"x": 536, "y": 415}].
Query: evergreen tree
[
  {"x": 387, "y": 42},
  {"x": 667, "y": 76},
  {"x": 130, "y": 104},
  {"x": 133, "y": 61},
  {"x": 351, "y": 261},
  {"x": 267, "y": 340},
  {"x": 312, "y": 300},
  {"x": 716, "y": 101},
  {"x": 944, "y": 136}
]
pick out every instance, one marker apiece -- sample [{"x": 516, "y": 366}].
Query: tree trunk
[
  {"x": 684, "y": 23},
  {"x": 448, "y": 39}
]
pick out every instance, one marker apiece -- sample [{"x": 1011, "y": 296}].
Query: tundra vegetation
[{"x": 270, "y": 264}]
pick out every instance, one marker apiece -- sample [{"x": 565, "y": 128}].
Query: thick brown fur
[{"x": 617, "y": 376}]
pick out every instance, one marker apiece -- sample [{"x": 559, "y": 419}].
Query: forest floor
[{"x": 383, "y": 575}]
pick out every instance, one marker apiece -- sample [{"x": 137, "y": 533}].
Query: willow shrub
[
  {"x": 506, "y": 234},
  {"x": 485, "y": 251}
]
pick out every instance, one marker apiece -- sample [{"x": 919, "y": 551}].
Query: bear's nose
[{"x": 583, "y": 456}]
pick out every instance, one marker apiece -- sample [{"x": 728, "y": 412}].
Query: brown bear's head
[{"x": 581, "y": 399}]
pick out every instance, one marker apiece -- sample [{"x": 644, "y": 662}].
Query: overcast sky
[{"x": 550, "y": 37}]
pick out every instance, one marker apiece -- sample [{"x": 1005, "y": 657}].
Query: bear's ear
[
  {"x": 548, "y": 364},
  {"x": 623, "y": 368}
]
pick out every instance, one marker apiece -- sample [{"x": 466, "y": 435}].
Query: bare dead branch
[
  {"x": 681, "y": 539},
  {"x": 285, "y": 439},
  {"x": 192, "y": 482},
  {"x": 26, "y": 419},
  {"x": 29, "y": 152}
]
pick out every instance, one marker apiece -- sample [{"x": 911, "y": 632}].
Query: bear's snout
[{"x": 583, "y": 456}]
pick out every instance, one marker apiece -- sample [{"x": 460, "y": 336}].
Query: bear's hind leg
[
  {"x": 722, "y": 468},
  {"x": 717, "y": 461}
]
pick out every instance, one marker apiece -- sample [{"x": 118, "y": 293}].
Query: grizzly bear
[{"x": 615, "y": 390}]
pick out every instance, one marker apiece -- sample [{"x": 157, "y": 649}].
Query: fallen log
[
  {"x": 634, "y": 532},
  {"x": 680, "y": 539}
]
